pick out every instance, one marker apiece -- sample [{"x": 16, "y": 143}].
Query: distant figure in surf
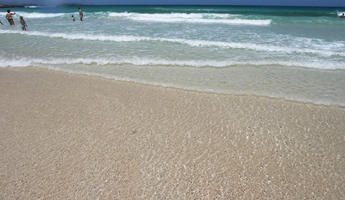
[
  {"x": 23, "y": 23},
  {"x": 80, "y": 14},
  {"x": 73, "y": 18},
  {"x": 342, "y": 16},
  {"x": 10, "y": 18},
  {"x": 1, "y": 22}
]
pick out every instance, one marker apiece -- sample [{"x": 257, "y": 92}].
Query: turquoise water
[{"x": 291, "y": 53}]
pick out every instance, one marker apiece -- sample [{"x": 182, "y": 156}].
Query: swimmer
[
  {"x": 80, "y": 14},
  {"x": 23, "y": 23},
  {"x": 10, "y": 18}
]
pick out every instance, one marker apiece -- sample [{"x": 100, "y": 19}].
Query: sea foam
[
  {"x": 193, "y": 43},
  {"x": 142, "y": 61},
  {"x": 208, "y": 18},
  {"x": 340, "y": 13},
  {"x": 31, "y": 6},
  {"x": 35, "y": 15}
]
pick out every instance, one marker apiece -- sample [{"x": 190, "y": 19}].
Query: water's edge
[{"x": 172, "y": 86}]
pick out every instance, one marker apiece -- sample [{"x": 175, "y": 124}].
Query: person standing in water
[
  {"x": 1, "y": 22},
  {"x": 10, "y": 18},
  {"x": 73, "y": 19},
  {"x": 80, "y": 14},
  {"x": 23, "y": 23}
]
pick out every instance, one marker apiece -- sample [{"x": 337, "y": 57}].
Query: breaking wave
[
  {"x": 31, "y": 6},
  {"x": 26, "y": 62},
  {"x": 340, "y": 13},
  {"x": 208, "y": 18},
  {"x": 193, "y": 43},
  {"x": 35, "y": 15}
]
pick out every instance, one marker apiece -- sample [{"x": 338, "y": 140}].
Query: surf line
[{"x": 192, "y": 43}]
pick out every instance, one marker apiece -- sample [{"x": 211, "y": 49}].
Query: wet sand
[{"x": 65, "y": 136}]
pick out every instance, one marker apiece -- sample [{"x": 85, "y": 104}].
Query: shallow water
[{"x": 292, "y": 53}]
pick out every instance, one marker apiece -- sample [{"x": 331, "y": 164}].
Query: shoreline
[
  {"x": 153, "y": 84},
  {"x": 206, "y": 91},
  {"x": 67, "y": 136}
]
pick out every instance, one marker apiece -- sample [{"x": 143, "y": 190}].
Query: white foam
[
  {"x": 25, "y": 62},
  {"x": 209, "y": 18},
  {"x": 194, "y": 88},
  {"x": 190, "y": 18},
  {"x": 78, "y": 36},
  {"x": 31, "y": 6},
  {"x": 340, "y": 13},
  {"x": 35, "y": 15},
  {"x": 51, "y": 64},
  {"x": 193, "y": 43},
  {"x": 185, "y": 16}
]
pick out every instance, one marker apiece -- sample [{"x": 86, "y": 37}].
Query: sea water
[{"x": 292, "y": 53}]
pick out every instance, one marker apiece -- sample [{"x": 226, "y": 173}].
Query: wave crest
[
  {"x": 31, "y": 6},
  {"x": 193, "y": 43},
  {"x": 208, "y": 18},
  {"x": 340, "y": 13},
  {"x": 35, "y": 15},
  {"x": 26, "y": 62}
]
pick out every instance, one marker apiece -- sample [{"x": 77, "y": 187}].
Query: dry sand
[{"x": 66, "y": 136}]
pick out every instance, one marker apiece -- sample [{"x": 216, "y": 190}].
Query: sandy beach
[{"x": 65, "y": 136}]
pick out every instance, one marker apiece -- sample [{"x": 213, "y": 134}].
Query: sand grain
[{"x": 65, "y": 136}]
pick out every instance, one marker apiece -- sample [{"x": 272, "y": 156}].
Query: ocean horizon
[{"x": 295, "y": 53}]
